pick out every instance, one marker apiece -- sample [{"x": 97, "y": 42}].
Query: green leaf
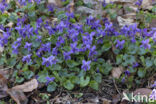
[
  {"x": 98, "y": 77},
  {"x": 25, "y": 68},
  {"x": 82, "y": 73},
  {"x": 71, "y": 63},
  {"x": 129, "y": 59},
  {"x": 56, "y": 67},
  {"x": 142, "y": 51},
  {"x": 148, "y": 62},
  {"x": 75, "y": 79},
  {"x": 2, "y": 60},
  {"x": 106, "y": 46},
  {"x": 42, "y": 76},
  {"x": 51, "y": 87},
  {"x": 105, "y": 68},
  {"x": 68, "y": 85},
  {"x": 19, "y": 66},
  {"x": 93, "y": 84},
  {"x": 11, "y": 61},
  {"x": 142, "y": 59},
  {"x": 28, "y": 74},
  {"x": 155, "y": 62},
  {"x": 100, "y": 60},
  {"x": 132, "y": 49},
  {"x": 141, "y": 73},
  {"x": 19, "y": 79},
  {"x": 119, "y": 59},
  {"x": 35, "y": 44},
  {"x": 84, "y": 82}
]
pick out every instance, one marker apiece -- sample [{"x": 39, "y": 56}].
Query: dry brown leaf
[
  {"x": 130, "y": 15},
  {"x": 142, "y": 91},
  {"x": 93, "y": 100},
  {"x": 153, "y": 23},
  {"x": 3, "y": 86},
  {"x": 28, "y": 86},
  {"x": 71, "y": 6},
  {"x": 116, "y": 99},
  {"x": 18, "y": 96},
  {"x": 1, "y": 35},
  {"x": 125, "y": 21},
  {"x": 55, "y": 2},
  {"x": 117, "y": 71},
  {"x": 147, "y": 4},
  {"x": 10, "y": 24},
  {"x": 105, "y": 101},
  {"x": 1, "y": 49}
]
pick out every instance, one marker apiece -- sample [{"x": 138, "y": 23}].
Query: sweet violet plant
[{"x": 69, "y": 54}]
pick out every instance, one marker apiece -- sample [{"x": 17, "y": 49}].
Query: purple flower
[
  {"x": 16, "y": 45},
  {"x": 28, "y": 46},
  {"x": 85, "y": 65},
  {"x": 15, "y": 49},
  {"x": 37, "y": 1},
  {"x": 110, "y": 30},
  {"x": 46, "y": 47},
  {"x": 38, "y": 23},
  {"x": 60, "y": 40},
  {"x": 39, "y": 38},
  {"x": 39, "y": 52},
  {"x": 127, "y": 72},
  {"x": 49, "y": 79},
  {"x": 104, "y": 4},
  {"x": 120, "y": 44},
  {"x": 55, "y": 51},
  {"x": 145, "y": 44},
  {"x": 61, "y": 26},
  {"x": 123, "y": 80},
  {"x": 78, "y": 27},
  {"x": 73, "y": 34},
  {"x": 3, "y": 6},
  {"x": 91, "y": 21},
  {"x": 67, "y": 55},
  {"x": 87, "y": 40},
  {"x": 138, "y": 3},
  {"x": 92, "y": 51},
  {"x": 27, "y": 58},
  {"x": 135, "y": 65},
  {"x": 153, "y": 95},
  {"x": 46, "y": 61},
  {"x": 22, "y": 2},
  {"x": 154, "y": 37},
  {"x": 70, "y": 15},
  {"x": 74, "y": 48},
  {"x": 154, "y": 85},
  {"x": 50, "y": 8},
  {"x": 49, "y": 61}
]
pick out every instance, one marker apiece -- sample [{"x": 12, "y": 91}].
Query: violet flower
[
  {"x": 154, "y": 85},
  {"x": 120, "y": 44},
  {"x": 49, "y": 61},
  {"x": 67, "y": 55},
  {"x": 49, "y": 79},
  {"x": 138, "y": 3},
  {"x": 28, "y": 46},
  {"x": 74, "y": 48},
  {"x": 85, "y": 65},
  {"x": 153, "y": 95},
  {"x": 92, "y": 51},
  {"x": 127, "y": 72},
  {"x": 27, "y": 58},
  {"x": 145, "y": 44}
]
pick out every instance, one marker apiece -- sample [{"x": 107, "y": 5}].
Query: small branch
[{"x": 116, "y": 87}]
